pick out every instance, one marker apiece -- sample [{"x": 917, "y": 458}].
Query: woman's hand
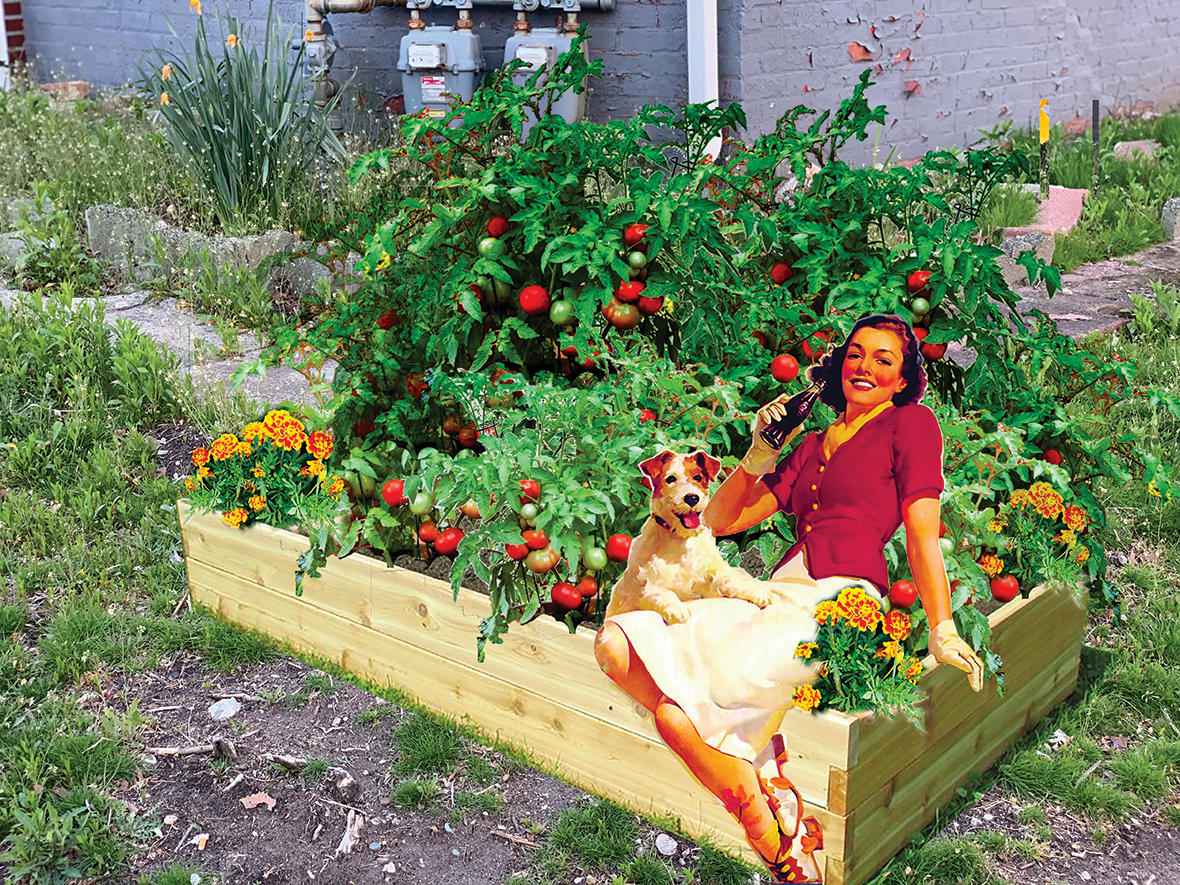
[
  {"x": 762, "y": 456},
  {"x": 948, "y": 647}
]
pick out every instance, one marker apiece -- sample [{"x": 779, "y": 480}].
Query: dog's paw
[
  {"x": 750, "y": 592},
  {"x": 675, "y": 612}
]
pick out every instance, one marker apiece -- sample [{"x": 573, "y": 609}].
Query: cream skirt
[{"x": 732, "y": 667}]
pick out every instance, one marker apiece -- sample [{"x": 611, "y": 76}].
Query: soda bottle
[{"x": 796, "y": 411}]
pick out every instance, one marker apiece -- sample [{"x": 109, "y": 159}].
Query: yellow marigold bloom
[
  {"x": 336, "y": 487},
  {"x": 384, "y": 262},
  {"x": 1067, "y": 537},
  {"x": 1046, "y": 500},
  {"x": 276, "y": 417},
  {"x": 204, "y": 473},
  {"x": 257, "y": 502},
  {"x": 805, "y": 649},
  {"x": 807, "y": 698},
  {"x": 991, "y": 564},
  {"x": 913, "y": 670},
  {"x": 1081, "y": 554},
  {"x": 235, "y": 517},
  {"x": 232, "y": 41},
  {"x": 1153, "y": 489},
  {"x": 164, "y": 99},
  {"x": 890, "y": 650},
  {"x": 1075, "y": 517},
  {"x": 200, "y": 457},
  {"x": 1019, "y": 498},
  {"x": 826, "y": 612},
  {"x": 258, "y": 472},
  {"x": 224, "y": 447},
  {"x": 190, "y": 484},
  {"x": 166, "y": 72},
  {"x": 244, "y": 449},
  {"x": 249, "y": 487},
  {"x": 253, "y": 431},
  {"x": 312, "y": 468},
  {"x": 997, "y": 525},
  {"x": 320, "y": 444},
  {"x": 195, "y": 4},
  {"x": 858, "y": 608},
  {"x": 898, "y": 624}
]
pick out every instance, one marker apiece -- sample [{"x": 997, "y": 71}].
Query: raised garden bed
[{"x": 872, "y": 782}]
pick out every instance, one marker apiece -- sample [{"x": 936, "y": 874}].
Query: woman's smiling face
[{"x": 871, "y": 373}]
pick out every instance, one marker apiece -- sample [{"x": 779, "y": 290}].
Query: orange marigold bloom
[
  {"x": 258, "y": 472},
  {"x": 253, "y": 431},
  {"x": 1075, "y": 517},
  {"x": 913, "y": 670},
  {"x": 1046, "y": 500},
  {"x": 257, "y": 502},
  {"x": 190, "y": 484},
  {"x": 320, "y": 444},
  {"x": 336, "y": 487},
  {"x": 312, "y": 468},
  {"x": 224, "y": 447},
  {"x": 858, "y": 608},
  {"x": 204, "y": 473},
  {"x": 991, "y": 564},
  {"x": 898, "y": 625},
  {"x": 1081, "y": 554},
  {"x": 805, "y": 649},
  {"x": 235, "y": 517},
  {"x": 826, "y": 612},
  {"x": 200, "y": 457},
  {"x": 807, "y": 698},
  {"x": 1019, "y": 499},
  {"x": 1067, "y": 537},
  {"x": 244, "y": 449}
]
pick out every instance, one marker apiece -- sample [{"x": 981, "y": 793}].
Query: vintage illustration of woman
[{"x": 718, "y": 683}]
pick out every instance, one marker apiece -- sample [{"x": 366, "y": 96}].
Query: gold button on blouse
[
  {"x": 821, "y": 468},
  {"x": 807, "y": 529},
  {"x": 813, "y": 488},
  {"x": 815, "y": 507}
]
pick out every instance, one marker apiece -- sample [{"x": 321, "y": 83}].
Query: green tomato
[
  {"x": 528, "y": 512},
  {"x": 368, "y": 486},
  {"x": 947, "y": 545},
  {"x": 491, "y": 247},
  {"x": 422, "y": 504},
  {"x": 920, "y": 307},
  {"x": 503, "y": 291},
  {"x": 561, "y": 313},
  {"x": 595, "y": 558},
  {"x": 637, "y": 259}
]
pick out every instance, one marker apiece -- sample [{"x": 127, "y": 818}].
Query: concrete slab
[{"x": 1058, "y": 214}]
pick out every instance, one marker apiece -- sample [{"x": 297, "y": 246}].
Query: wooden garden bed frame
[{"x": 872, "y": 782}]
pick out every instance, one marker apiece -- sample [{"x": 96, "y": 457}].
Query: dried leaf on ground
[{"x": 256, "y": 799}]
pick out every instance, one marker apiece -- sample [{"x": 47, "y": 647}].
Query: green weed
[
  {"x": 316, "y": 768},
  {"x": 416, "y": 792},
  {"x": 1006, "y": 206},
  {"x": 373, "y": 715},
  {"x": 647, "y": 869},
  {"x": 717, "y": 868},
  {"x": 468, "y": 803},
  {"x": 319, "y": 683},
  {"x": 426, "y": 746},
  {"x": 599, "y": 834},
  {"x": 176, "y": 874},
  {"x": 480, "y": 771}
]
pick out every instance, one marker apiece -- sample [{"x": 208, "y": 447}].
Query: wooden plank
[
  {"x": 878, "y": 829},
  {"x": 595, "y": 755},
  {"x": 1027, "y": 646}
]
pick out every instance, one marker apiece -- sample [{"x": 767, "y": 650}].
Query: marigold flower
[
  {"x": 826, "y": 612},
  {"x": 805, "y": 649},
  {"x": 164, "y": 99},
  {"x": 807, "y": 698},
  {"x": 253, "y": 431},
  {"x": 1067, "y": 537},
  {"x": 1075, "y": 517},
  {"x": 997, "y": 525},
  {"x": 224, "y": 447},
  {"x": 991, "y": 564},
  {"x": 898, "y": 624},
  {"x": 190, "y": 484},
  {"x": 166, "y": 72},
  {"x": 384, "y": 262},
  {"x": 858, "y": 608},
  {"x": 312, "y": 468},
  {"x": 890, "y": 650},
  {"x": 204, "y": 473},
  {"x": 1046, "y": 500},
  {"x": 1081, "y": 554},
  {"x": 243, "y": 449},
  {"x": 232, "y": 41},
  {"x": 235, "y": 517},
  {"x": 320, "y": 444},
  {"x": 336, "y": 486},
  {"x": 913, "y": 670},
  {"x": 200, "y": 457},
  {"x": 195, "y": 4},
  {"x": 257, "y": 502},
  {"x": 258, "y": 472}
]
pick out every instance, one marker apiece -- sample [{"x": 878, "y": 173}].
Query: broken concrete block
[{"x": 1168, "y": 216}]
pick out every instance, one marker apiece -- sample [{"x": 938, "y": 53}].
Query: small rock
[
  {"x": 389, "y": 868},
  {"x": 1085, "y": 876},
  {"x": 665, "y": 845},
  {"x": 448, "y": 828},
  {"x": 147, "y": 759},
  {"x": 455, "y": 851},
  {"x": 224, "y": 709},
  {"x": 375, "y": 846},
  {"x": 1126, "y": 150},
  {"x": 1168, "y": 216},
  {"x": 170, "y": 819}
]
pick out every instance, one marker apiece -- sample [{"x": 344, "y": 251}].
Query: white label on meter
[
  {"x": 535, "y": 56},
  {"x": 427, "y": 55},
  {"x": 433, "y": 88}
]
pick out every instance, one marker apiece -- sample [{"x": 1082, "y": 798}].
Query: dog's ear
[
  {"x": 709, "y": 464},
  {"x": 653, "y": 467}
]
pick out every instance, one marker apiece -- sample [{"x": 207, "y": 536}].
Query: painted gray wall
[{"x": 971, "y": 63}]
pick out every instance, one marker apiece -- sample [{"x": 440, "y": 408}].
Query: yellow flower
[
  {"x": 1067, "y": 537},
  {"x": 164, "y": 99},
  {"x": 1075, "y": 517},
  {"x": 320, "y": 444},
  {"x": 991, "y": 564},
  {"x": 805, "y": 649},
  {"x": 200, "y": 457},
  {"x": 858, "y": 609},
  {"x": 166, "y": 72},
  {"x": 384, "y": 262},
  {"x": 913, "y": 670},
  {"x": 897, "y": 625},
  {"x": 807, "y": 698},
  {"x": 235, "y": 517},
  {"x": 997, "y": 526},
  {"x": 890, "y": 650},
  {"x": 258, "y": 472},
  {"x": 190, "y": 484},
  {"x": 204, "y": 473},
  {"x": 254, "y": 430},
  {"x": 312, "y": 468},
  {"x": 826, "y": 612},
  {"x": 1019, "y": 498},
  {"x": 195, "y": 4},
  {"x": 1081, "y": 554},
  {"x": 232, "y": 41},
  {"x": 243, "y": 449},
  {"x": 336, "y": 487},
  {"x": 309, "y": 34},
  {"x": 1153, "y": 489},
  {"x": 1046, "y": 500},
  {"x": 257, "y": 502},
  {"x": 224, "y": 448}
]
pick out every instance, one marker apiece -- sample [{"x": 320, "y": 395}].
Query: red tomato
[
  {"x": 1052, "y": 456},
  {"x": 633, "y": 235},
  {"x": 387, "y": 320},
  {"x": 448, "y": 542},
  {"x": 452, "y": 424},
  {"x": 530, "y": 490},
  {"x": 541, "y": 561},
  {"x": 916, "y": 281},
  {"x": 941, "y": 529},
  {"x": 588, "y": 586},
  {"x": 535, "y": 538},
  {"x": 364, "y": 427},
  {"x": 932, "y": 351},
  {"x": 646, "y": 415},
  {"x": 629, "y": 291},
  {"x": 498, "y": 226},
  {"x": 620, "y": 315},
  {"x": 1005, "y": 588},
  {"x": 784, "y": 368},
  {"x": 921, "y": 333},
  {"x": 516, "y": 551},
  {"x": 427, "y": 532},
  {"x": 813, "y": 353},
  {"x": 650, "y": 305},
  {"x": 565, "y": 595},
  {"x": 903, "y": 594},
  {"x": 393, "y": 492},
  {"x": 618, "y": 547},
  {"x": 468, "y": 436},
  {"x": 780, "y": 273},
  {"x": 534, "y": 300}
]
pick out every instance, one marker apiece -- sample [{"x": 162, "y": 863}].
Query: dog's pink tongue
[{"x": 692, "y": 520}]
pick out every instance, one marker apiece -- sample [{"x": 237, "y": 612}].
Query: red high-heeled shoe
[{"x": 787, "y": 869}]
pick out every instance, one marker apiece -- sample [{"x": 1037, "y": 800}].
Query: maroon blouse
[{"x": 847, "y": 507}]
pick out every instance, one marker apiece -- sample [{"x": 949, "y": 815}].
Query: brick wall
[{"x": 944, "y": 69}]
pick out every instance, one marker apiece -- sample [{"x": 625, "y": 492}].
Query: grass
[
  {"x": 426, "y": 746},
  {"x": 1008, "y": 205}
]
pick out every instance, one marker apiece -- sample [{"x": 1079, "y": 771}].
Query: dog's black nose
[{"x": 691, "y": 500}]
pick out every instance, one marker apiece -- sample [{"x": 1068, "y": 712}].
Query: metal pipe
[{"x": 702, "y": 58}]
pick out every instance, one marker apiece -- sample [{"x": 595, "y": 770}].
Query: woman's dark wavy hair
[{"x": 912, "y": 365}]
